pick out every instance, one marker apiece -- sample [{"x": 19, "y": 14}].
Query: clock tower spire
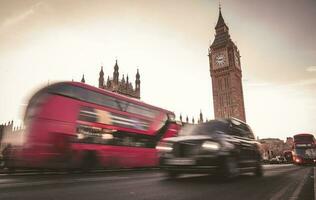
[{"x": 226, "y": 74}]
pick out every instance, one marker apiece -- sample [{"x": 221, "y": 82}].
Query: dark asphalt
[{"x": 279, "y": 182}]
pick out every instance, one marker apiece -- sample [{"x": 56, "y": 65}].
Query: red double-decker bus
[
  {"x": 74, "y": 125},
  {"x": 304, "y": 149}
]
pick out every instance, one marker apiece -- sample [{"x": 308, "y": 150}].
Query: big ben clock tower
[{"x": 226, "y": 74}]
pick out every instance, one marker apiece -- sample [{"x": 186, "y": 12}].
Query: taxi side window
[
  {"x": 235, "y": 130},
  {"x": 246, "y": 131},
  {"x": 241, "y": 130}
]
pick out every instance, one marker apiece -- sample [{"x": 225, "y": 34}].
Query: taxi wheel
[
  {"x": 172, "y": 174},
  {"x": 10, "y": 170},
  {"x": 230, "y": 168},
  {"x": 258, "y": 171},
  {"x": 2, "y": 164}
]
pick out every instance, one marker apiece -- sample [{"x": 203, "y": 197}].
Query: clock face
[{"x": 220, "y": 59}]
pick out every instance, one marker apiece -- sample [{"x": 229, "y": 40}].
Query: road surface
[{"x": 279, "y": 182}]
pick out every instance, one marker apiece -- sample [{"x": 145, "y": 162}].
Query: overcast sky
[{"x": 168, "y": 40}]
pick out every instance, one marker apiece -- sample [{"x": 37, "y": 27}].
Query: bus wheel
[{"x": 89, "y": 161}]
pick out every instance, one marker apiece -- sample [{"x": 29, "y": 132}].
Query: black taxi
[{"x": 226, "y": 147}]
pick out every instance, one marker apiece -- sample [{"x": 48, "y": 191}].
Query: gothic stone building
[
  {"x": 122, "y": 86},
  {"x": 225, "y": 69}
]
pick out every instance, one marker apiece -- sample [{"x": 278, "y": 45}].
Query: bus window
[
  {"x": 136, "y": 109},
  {"x": 88, "y": 114},
  {"x": 101, "y": 99},
  {"x": 84, "y": 95}
]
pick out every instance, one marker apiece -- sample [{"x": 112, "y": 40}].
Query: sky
[{"x": 45, "y": 41}]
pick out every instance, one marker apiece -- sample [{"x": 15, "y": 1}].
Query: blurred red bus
[
  {"x": 304, "y": 149},
  {"x": 74, "y": 125}
]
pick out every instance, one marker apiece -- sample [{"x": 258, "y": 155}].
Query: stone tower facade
[
  {"x": 226, "y": 74},
  {"x": 123, "y": 86}
]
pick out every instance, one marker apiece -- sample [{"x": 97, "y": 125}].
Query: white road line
[
  {"x": 296, "y": 192},
  {"x": 299, "y": 188},
  {"x": 279, "y": 194}
]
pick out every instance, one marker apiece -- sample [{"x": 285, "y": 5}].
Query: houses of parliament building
[{"x": 114, "y": 84}]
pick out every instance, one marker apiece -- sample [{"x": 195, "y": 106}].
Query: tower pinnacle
[
  {"x": 101, "y": 78},
  {"x": 82, "y": 79},
  {"x": 220, "y": 22}
]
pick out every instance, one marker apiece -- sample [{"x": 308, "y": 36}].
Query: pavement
[{"x": 279, "y": 182}]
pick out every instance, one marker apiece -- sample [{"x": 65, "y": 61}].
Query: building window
[
  {"x": 219, "y": 82},
  {"x": 226, "y": 83},
  {"x": 221, "y": 101}
]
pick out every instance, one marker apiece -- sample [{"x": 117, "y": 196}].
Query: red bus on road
[
  {"x": 74, "y": 125},
  {"x": 304, "y": 149}
]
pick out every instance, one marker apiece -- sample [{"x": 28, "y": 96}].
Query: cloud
[
  {"x": 298, "y": 83},
  {"x": 311, "y": 69},
  {"x": 306, "y": 82},
  {"x": 256, "y": 84},
  {"x": 21, "y": 16}
]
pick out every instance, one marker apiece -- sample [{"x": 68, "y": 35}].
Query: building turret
[
  {"x": 101, "y": 78},
  {"x": 108, "y": 82},
  {"x": 123, "y": 80},
  {"x": 82, "y": 79},
  {"x": 201, "y": 117},
  {"x": 116, "y": 73},
  {"x": 221, "y": 25},
  {"x": 137, "y": 84}
]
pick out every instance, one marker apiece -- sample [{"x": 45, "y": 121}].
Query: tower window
[
  {"x": 219, "y": 82},
  {"x": 226, "y": 83}
]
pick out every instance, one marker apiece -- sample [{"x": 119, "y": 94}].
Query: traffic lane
[
  {"x": 278, "y": 183},
  {"x": 50, "y": 174}
]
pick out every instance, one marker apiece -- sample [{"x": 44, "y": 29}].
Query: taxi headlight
[
  {"x": 164, "y": 147},
  {"x": 211, "y": 146}
]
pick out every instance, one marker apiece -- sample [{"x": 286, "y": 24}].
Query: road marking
[
  {"x": 279, "y": 194},
  {"x": 299, "y": 188}
]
